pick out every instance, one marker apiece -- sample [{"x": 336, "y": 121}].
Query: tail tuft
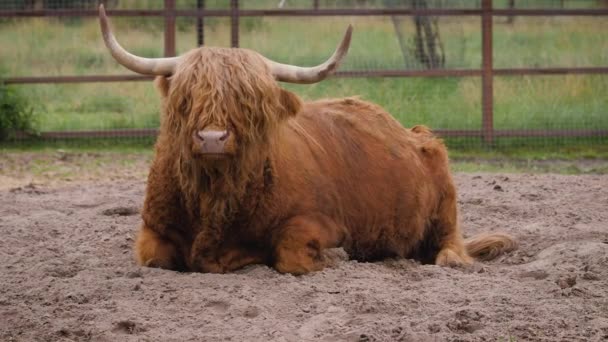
[{"x": 489, "y": 245}]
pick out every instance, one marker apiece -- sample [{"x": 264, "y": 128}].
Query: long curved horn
[
  {"x": 296, "y": 74},
  {"x": 146, "y": 66}
]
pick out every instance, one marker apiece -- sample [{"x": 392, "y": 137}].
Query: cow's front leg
[
  {"x": 233, "y": 258},
  {"x": 211, "y": 254},
  {"x": 452, "y": 251},
  {"x": 299, "y": 244},
  {"x": 152, "y": 250},
  {"x": 159, "y": 243}
]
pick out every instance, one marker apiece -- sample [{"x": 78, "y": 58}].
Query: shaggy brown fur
[{"x": 298, "y": 178}]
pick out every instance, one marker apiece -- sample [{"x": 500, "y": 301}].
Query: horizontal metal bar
[
  {"x": 115, "y": 13},
  {"x": 305, "y": 12},
  {"x": 339, "y": 74},
  {"x": 523, "y": 133},
  {"x": 458, "y": 132},
  {"x": 113, "y": 133},
  {"x": 552, "y": 133},
  {"x": 244, "y": 13},
  {"x": 80, "y": 13},
  {"x": 550, "y": 12},
  {"x": 75, "y": 79},
  {"x": 359, "y": 12},
  {"x": 474, "y": 72},
  {"x": 409, "y": 73},
  {"x": 550, "y": 71},
  {"x": 151, "y": 132}
]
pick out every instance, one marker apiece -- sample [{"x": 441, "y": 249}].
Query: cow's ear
[
  {"x": 162, "y": 84},
  {"x": 291, "y": 103}
]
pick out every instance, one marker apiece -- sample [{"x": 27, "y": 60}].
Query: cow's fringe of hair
[
  {"x": 488, "y": 246},
  {"x": 213, "y": 82}
]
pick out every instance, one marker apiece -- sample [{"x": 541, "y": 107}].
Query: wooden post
[
  {"x": 487, "y": 92},
  {"x": 200, "y": 24},
  {"x": 234, "y": 23},
  {"x": 511, "y": 18},
  {"x": 169, "y": 28}
]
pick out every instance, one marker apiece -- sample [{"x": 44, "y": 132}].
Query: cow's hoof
[
  {"x": 449, "y": 258},
  {"x": 153, "y": 251},
  {"x": 157, "y": 263},
  {"x": 298, "y": 269},
  {"x": 300, "y": 261}
]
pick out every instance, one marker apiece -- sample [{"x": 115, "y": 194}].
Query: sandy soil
[{"x": 67, "y": 273}]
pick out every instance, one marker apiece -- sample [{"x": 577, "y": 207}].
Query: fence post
[
  {"x": 234, "y": 23},
  {"x": 169, "y": 28},
  {"x": 200, "y": 24},
  {"x": 487, "y": 92}
]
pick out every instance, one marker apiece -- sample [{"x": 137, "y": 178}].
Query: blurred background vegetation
[{"x": 72, "y": 46}]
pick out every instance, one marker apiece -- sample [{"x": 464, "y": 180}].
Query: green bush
[{"x": 15, "y": 113}]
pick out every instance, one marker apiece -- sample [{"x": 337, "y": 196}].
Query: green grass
[
  {"x": 142, "y": 145},
  {"x": 41, "y": 46}
]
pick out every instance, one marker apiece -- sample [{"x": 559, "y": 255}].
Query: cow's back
[{"x": 350, "y": 160}]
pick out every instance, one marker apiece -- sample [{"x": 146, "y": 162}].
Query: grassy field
[{"x": 45, "y": 47}]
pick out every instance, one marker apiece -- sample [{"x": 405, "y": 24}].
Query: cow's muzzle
[{"x": 211, "y": 141}]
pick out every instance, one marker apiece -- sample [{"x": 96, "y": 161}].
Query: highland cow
[{"x": 245, "y": 172}]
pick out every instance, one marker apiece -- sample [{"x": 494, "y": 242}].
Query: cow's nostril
[
  {"x": 224, "y": 136},
  {"x": 200, "y": 135}
]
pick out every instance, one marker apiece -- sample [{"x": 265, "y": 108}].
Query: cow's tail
[{"x": 488, "y": 246}]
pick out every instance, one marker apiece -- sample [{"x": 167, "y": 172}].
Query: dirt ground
[{"x": 67, "y": 273}]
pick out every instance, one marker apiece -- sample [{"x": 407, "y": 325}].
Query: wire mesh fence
[{"x": 478, "y": 72}]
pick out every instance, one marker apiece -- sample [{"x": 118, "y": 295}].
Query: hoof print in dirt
[
  {"x": 590, "y": 276},
  {"x": 78, "y": 334},
  {"x": 365, "y": 338},
  {"x": 62, "y": 272},
  {"x": 77, "y": 298},
  {"x": 251, "y": 312},
  {"x": 120, "y": 211},
  {"x": 466, "y": 321},
  {"x": 434, "y": 328},
  {"x": 128, "y": 327},
  {"x": 473, "y": 268},
  {"x": 134, "y": 274},
  {"x": 31, "y": 189},
  {"x": 566, "y": 282},
  {"x": 536, "y": 274},
  {"x": 218, "y": 306},
  {"x": 532, "y": 197}
]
